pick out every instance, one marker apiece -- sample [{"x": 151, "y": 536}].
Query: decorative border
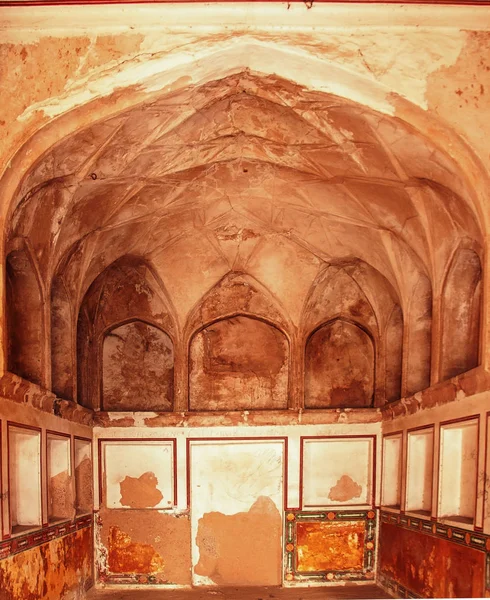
[
  {"x": 292, "y": 517},
  {"x": 393, "y": 588},
  {"x": 30, "y": 540},
  {"x": 471, "y": 539},
  {"x": 463, "y": 537}
]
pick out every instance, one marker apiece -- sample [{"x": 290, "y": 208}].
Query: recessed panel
[
  {"x": 25, "y": 478},
  {"x": 138, "y": 474},
  {"x": 337, "y": 472},
  {"x": 392, "y": 466},
  {"x": 420, "y": 471}
]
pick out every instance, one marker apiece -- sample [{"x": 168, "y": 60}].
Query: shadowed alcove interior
[{"x": 249, "y": 303}]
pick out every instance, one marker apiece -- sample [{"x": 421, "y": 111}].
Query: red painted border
[
  {"x": 381, "y": 483},
  {"x": 372, "y": 494},
  {"x": 220, "y": 440},
  {"x": 31, "y": 428},
  {"x": 455, "y": 422},
  {"x": 419, "y": 429},
  {"x": 116, "y": 440}
]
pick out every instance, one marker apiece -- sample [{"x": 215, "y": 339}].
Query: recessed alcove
[
  {"x": 458, "y": 464},
  {"x": 420, "y": 469},
  {"x": 24, "y": 455},
  {"x": 392, "y": 471},
  {"x": 61, "y": 489},
  {"x": 83, "y": 476}
]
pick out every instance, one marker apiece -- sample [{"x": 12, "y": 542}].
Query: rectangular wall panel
[{"x": 236, "y": 503}]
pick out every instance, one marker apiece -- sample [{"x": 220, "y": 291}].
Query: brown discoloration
[
  {"x": 84, "y": 486},
  {"x": 138, "y": 368},
  {"x": 58, "y": 570},
  {"x": 137, "y": 358},
  {"x": 140, "y": 492},
  {"x": 430, "y": 566},
  {"x": 163, "y": 538},
  {"x": 339, "y": 367},
  {"x": 61, "y": 495},
  {"x": 456, "y": 92},
  {"x": 239, "y": 363},
  {"x": 235, "y": 418},
  {"x": 126, "y": 556},
  {"x": 461, "y": 313},
  {"x": 255, "y": 559},
  {"x": 330, "y": 546},
  {"x": 345, "y": 489},
  {"x": 464, "y": 385}
]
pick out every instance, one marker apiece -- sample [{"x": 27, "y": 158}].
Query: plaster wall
[{"x": 229, "y": 484}]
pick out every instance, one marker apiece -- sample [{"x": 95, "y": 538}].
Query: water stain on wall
[
  {"x": 345, "y": 489},
  {"x": 428, "y": 566},
  {"x": 148, "y": 542},
  {"x": 241, "y": 549},
  {"x": 58, "y": 570},
  {"x": 239, "y": 363},
  {"x": 126, "y": 556},
  {"x": 140, "y": 492},
  {"x": 329, "y": 546}
]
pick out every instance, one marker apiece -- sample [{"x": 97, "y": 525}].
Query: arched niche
[
  {"x": 137, "y": 368},
  {"x": 419, "y": 343},
  {"x": 339, "y": 366},
  {"x": 393, "y": 361},
  {"x": 460, "y": 316},
  {"x": 126, "y": 291},
  {"x": 238, "y": 363},
  {"x": 63, "y": 342},
  {"x": 25, "y": 317},
  {"x": 352, "y": 291}
]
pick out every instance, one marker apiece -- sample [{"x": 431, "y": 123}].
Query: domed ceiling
[{"x": 247, "y": 203}]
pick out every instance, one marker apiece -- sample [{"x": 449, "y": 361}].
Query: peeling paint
[
  {"x": 242, "y": 549},
  {"x": 141, "y": 492}
]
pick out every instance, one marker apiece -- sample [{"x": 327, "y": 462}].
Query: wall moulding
[
  {"x": 465, "y": 385},
  {"x": 314, "y": 541},
  {"x": 236, "y": 418},
  {"x": 31, "y": 540}
]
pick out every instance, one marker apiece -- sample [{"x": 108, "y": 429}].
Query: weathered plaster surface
[
  {"x": 58, "y": 570},
  {"x": 241, "y": 549},
  {"x": 330, "y": 546},
  {"x": 429, "y": 566},
  {"x": 146, "y": 542}
]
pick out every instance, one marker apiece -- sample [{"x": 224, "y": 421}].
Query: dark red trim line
[{"x": 14, "y": 3}]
